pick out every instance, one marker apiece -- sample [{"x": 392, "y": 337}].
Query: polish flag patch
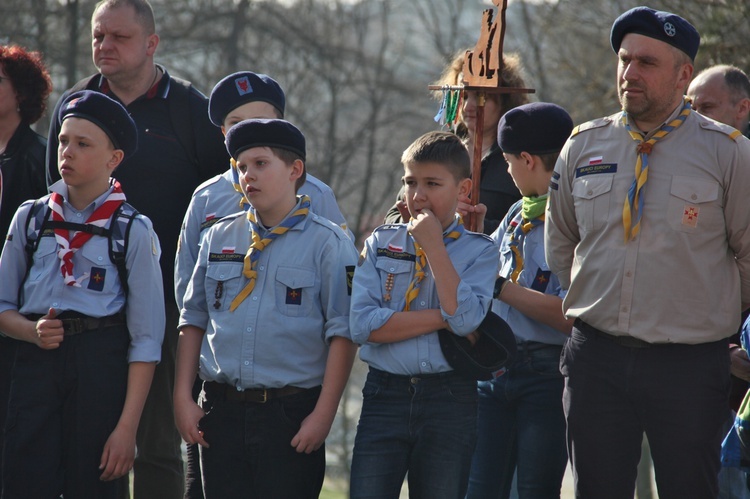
[
  {"x": 595, "y": 160},
  {"x": 395, "y": 249},
  {"x": 227, "y": 250}
]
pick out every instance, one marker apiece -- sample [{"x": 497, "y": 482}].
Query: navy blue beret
[
  {"x": 241, "y": 88},
  {"x": 104, "y": 112},
  {"x": 264, "y": 133},
  {"x": 536, "y": 128},
  {"x": 664, "y": 26}
]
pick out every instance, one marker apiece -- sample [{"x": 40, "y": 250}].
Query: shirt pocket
[
  {"x": 45, "y": 259},
  {"x": 102, "y": 272},
  {"x": 692, "y": 203},
  {"x": 394, "y": 287},
  {"x": 295, "y": 291},
  {"x": 592, "y": 199},
  {"x": 222, "y": 284}
]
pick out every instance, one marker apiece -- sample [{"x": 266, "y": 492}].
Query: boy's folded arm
[{"x": 406, "y": 325}]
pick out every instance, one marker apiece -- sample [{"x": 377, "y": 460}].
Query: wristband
[{"x": 500, "y": 284}]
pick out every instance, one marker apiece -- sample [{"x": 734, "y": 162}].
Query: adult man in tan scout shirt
[{"x": 647, "y": 226}]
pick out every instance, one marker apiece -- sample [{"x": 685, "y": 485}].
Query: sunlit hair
[
  {"x": 30, "y": 80},
  {"x": 143, "y": 12},
  {"x": 444, "y": 148},
  {"x": 511, "y": 76},
  {"x": 289, "y": 157}
]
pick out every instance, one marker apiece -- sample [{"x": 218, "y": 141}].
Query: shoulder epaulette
[
  {"x": 480, "y": 234},
  {"x": 336, "y": 229},
  {"x": 207, "y": 183},
  {"x": 388, "y": 227},
  {"x": 590, "y": 125},
  {"x": 727, "y": 130}
]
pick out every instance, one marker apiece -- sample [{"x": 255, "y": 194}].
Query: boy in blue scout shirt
[
  {"x": 84, "y": 370},
  {"x": 521, "y": 425},
  {"x": 418, "y": 415},
  {"x": 240, "y": 96},
  {"x": 265, "y": 315},
  {"x": 237, "y": 97}
]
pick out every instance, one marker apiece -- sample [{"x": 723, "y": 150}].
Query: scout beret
[
  {"x": 537, "y": 128},
  {"x": 495, "y": 349},
  {"x": 241, "y": 88},
  {"x": 104, "y": 112},
  {"x": 664, "y": 26},
  {"x": 264, "y": 133}
]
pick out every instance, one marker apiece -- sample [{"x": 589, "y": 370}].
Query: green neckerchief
[{"x": 533, "y": 206}]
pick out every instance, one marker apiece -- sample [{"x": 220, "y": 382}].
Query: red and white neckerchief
[{"x": 69, "y": 245}]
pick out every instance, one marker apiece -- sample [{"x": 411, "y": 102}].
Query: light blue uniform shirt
[
  {"x": 535, "y": 275},
  {"x": 390, "y": 250},
  {"x": 279, "y": 334},
  {"x": 215, "y": 199},
  {"x": 44, "y": 288}
]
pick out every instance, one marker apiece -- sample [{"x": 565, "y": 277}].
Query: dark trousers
[
  {"x": 423, "y": 426},
  {"x": 7, "y": 356},
  {"x": 158, "y": 472},
  {"x": 675, "y": 393},
  {"x": 250, "y": 454},
  {"x": 63, "y": 406}
]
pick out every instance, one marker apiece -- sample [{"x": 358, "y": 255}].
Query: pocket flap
[
  {"x": 224, "y": 271},
  {"x": 295, "y": 277},
  {"x": 694, "y": 190},
  {"x": 592, "y": 186},
  {"x": 390, "y": 266}
]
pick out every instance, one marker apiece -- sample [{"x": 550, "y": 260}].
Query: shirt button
[
  {"x": 54, "y": 304},
  {"x": 247, "y": 362},
  {"x": 392, "y": 269},
  {"x": 239, "y": 389},
  {"x": 694, "y": 197},
  {"x": 590, "y": 193},
  {"x": 628, "y": 274},
  {"x": 249, "y": 329},
  {"x": 424, "y": 364},
  {"x": 422, "y": 303},
  {"x": 255, "y": 298},
  {"x": 221, "y": 276},
  {"x": 261, "y": 267},
  {"x": 625, "y": 309},
  {"x": 79, "y": 215},
  {"x": 99, "y": 258}
]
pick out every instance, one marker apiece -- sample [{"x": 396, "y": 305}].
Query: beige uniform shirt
[{"x": 686, "y": 277}]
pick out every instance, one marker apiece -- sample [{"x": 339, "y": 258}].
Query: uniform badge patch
[
  {"x": 243, "y": 86},
  {"x": 293, "y": 296},
  {"x": 595, "y": 168},
  {"x": 96, "y": 279},
  {"x": 541, "y": 280},
  {"x": 690, "y": 215},
  {"x": 362, "y": 256},
  {"x": 349, "y": 278}
]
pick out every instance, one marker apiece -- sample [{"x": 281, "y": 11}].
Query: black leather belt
[
  {"x": 75, "y": 323},
  {"x": 254, "y": 395},
  {"x": 624, "y": 341}
]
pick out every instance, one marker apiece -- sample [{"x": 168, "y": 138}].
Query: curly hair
[
  {"x": 511, "y": 76},
  {"x": 30, "y": 80}
]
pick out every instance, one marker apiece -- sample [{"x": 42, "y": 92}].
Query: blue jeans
[
  {"x": 521, "y": 428},
  {"x": 423, "y": 425}
]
